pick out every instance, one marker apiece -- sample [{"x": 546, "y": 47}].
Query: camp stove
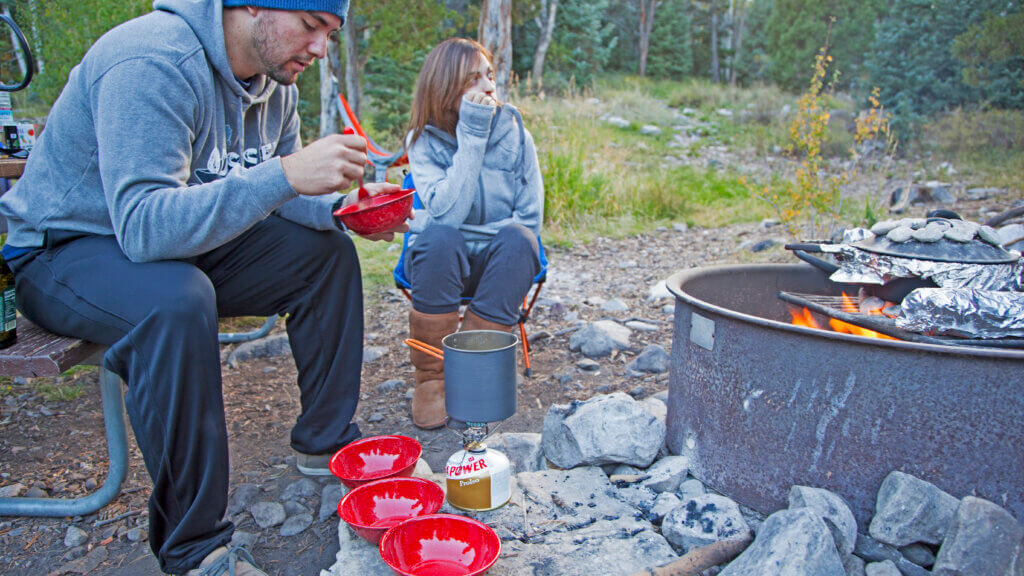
[{"x": 480, "y": 392}]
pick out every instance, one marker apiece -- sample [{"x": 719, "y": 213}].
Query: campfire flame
[{"x": 804, "y": 318}]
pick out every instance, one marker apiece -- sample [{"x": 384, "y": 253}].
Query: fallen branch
[{"x": 700, "y": 559}]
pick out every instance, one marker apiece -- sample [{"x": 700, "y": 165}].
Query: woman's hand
[{"x": 477, "y": 97}]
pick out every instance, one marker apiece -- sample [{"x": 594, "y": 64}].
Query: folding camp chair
[
  {"x": 402, "y": 280},
  {"x": 376, "y": 156}
]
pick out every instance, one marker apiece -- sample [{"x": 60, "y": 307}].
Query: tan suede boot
[
  {"x": 428, "y": 397},
  {"x": 473, "y": 322}
]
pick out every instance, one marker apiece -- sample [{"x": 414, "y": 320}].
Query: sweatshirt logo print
[{"x": 220, "y": 163}]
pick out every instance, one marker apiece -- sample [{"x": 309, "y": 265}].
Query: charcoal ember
[
  {"x": 933, "y": 232},
  {"x": 900, "y": 234},
  {"x": 989, "y": 234},
  {"x": 961, "y": 231}
]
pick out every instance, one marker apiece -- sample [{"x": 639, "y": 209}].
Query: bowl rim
[
  {"x": 392, "y": 197},
  {"x": 382, "y": 481},
  {"x": 390, "y": 535},
  {"x": 333, "y": 463}
]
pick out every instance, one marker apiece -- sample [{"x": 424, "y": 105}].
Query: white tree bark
[
  {"x": 353, "y": 91},
  {"x": 548, "y": 8},
  {"x": 329, "y": 114},
  {"x": 495, "y": 33},
  {"x": 715, "y": 77},
  {"x": 647, "y": 8}
]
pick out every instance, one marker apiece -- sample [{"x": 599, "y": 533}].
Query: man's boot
[
  {"x": 473, "y": 322},
  {"x": 428, "y": 397}
]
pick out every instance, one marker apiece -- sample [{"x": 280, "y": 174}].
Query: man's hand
[
  {"x": 327, "y": 165},
  {"x": 375, "y": 189}
]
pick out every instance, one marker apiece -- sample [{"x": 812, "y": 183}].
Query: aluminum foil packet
[
  {"x": 964, "y": 312},
  {"x": 858, "y": 266}
]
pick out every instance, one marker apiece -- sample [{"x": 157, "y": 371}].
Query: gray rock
[
  {"x": 872, "y": 550},
  {"x": 296, "y": 524},
  {"x": 373, "y": 353},
  {"x": 588, "y": 365},
  {"x": 667, "y": 473},
  {"x": 614, "y": 305},
  {"x": 919, "y": 554},
  {"x": 137, "y": 534},
  {"x": 640, "y": 326},
  {"x": 639, "y": 497},
  {"x": 375, "y": 417},
  {"x": 36, "y": 492},
  {"x": 75, "y": 536},
  {"x": 292, "y": 508},
  {"x": 244, "y": 539},
  {"x": 602, "y": 430},
  {"x": 617, "y": 122},
  {"x": 638, "y": 392},
  {"x": 886, "y": 568},
  {"x": 356, "y": 556},
  {"x": 655, "y": 407},
  {"x": 663, "y": 504},
  {"x": 704, "y": 520},
  {"x": 243, "y": 497},
  {"x": 983, "y": 193},
  {"x": 832, "y": 509},
  {"x": 271, "y": 346},
  {"x": 653, "y": 360},
  {"x": 690, "y": 488},
  {"x": 650, "y": 130},
  {"x": 910, "y": 510},
  {"x": 617, "y": 332},
  {"x": 329, "y": 498},
  {"x": 592, "y": 342},
  {"x": 983, "y": 539},
  {"x": 390, "y": 386},
  {"x": 853, "y": 565},
  {"x": 790, "y": 543},
  {"x": 302, "y": 488},
  {"x": 658, "y": 292},
  {"x": 267, "y": 514},
  {"x": 680, "y": 227},
  {"x": 12, "y": 490},
  {"x": 764, "y": 245},
  {"x": 523, "y": 450}
]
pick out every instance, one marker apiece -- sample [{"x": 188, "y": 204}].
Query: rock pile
[{"x": 617, "y": 503}]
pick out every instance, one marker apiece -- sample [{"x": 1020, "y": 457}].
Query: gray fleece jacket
[
  {"x": 480, "y": 181},
  {"x": 154, "y": 141}
]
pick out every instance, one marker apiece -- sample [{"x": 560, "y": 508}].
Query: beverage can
[{"x": 478, "y": 478}]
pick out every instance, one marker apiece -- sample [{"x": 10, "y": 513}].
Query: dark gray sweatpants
[
  {"x": 160, "y": 321},
  {"x": 442, "y": 272}
]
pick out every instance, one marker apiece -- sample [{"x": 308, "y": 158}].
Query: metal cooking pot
[{"x": 479, "y": 374}]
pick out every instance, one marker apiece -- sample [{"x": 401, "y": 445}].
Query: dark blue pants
[
  {"x": 442, "y": 272},
  {"x": 160, "y": 321}
]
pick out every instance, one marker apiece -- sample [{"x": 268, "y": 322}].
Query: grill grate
[{"x": 848, "y": 311}]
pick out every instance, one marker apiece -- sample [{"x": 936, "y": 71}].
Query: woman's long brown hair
[{"x": 445, "y": 76}]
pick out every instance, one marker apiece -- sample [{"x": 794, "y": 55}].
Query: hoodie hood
[{"x": 206, "y": 18}]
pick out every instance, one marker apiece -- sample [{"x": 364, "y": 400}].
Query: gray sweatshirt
[
  {"x": 154, "y": 141},
  {"x": 484, "y": 179}
]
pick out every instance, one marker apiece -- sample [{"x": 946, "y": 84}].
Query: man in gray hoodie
[{"x": 169, "y": 188}]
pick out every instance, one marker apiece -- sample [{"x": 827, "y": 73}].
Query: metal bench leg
[
  {"x": 233, "y": 337},
  {"x": 117, "y": 449}
]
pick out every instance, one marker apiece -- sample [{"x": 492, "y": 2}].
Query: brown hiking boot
[
  {"x": 473, "y": 322},
  {"x": 428, "y": 397}
]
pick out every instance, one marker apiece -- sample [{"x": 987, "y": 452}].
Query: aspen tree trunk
[
  {"x": 495, "y": 34},
  {"x": 714, "y": 43},
  {"x": 353, "y": 91},
  {"x": 647, "y": 8},
  {"x": 329, "y": 114},
  {"x": 548, "y": 8},
  {"x": 737, "y": 38}
]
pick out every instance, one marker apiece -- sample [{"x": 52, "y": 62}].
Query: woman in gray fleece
[{"x": 475, "y": 169}]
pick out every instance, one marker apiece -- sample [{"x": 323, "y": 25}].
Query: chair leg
[
  {"x": 117, "y": 449},
  {"x": 233, "y": 337}
]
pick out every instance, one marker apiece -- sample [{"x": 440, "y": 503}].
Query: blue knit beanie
[{"x": 336, "y": 7}]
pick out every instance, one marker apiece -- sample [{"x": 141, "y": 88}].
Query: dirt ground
[{"x": 59, "y": 446}]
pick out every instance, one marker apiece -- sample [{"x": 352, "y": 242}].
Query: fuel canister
[{"x": 478, "y": 478}]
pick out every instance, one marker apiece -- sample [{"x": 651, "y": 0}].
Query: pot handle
[{"x": 425, "y": 348}]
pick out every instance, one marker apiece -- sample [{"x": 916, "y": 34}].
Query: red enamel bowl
[
  {"x": 374, "y": 458},
  {"x": 440, "y": 545},
  {"x": 375, "y": 214},
  {"x": 372, "y": 508}
]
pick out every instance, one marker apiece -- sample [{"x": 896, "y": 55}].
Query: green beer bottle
[{"x": 8, "y": 312}]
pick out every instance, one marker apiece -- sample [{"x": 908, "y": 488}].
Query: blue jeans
[
  {"x": 159, "y": 320},
  {"x": 442, "y": 272}
]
